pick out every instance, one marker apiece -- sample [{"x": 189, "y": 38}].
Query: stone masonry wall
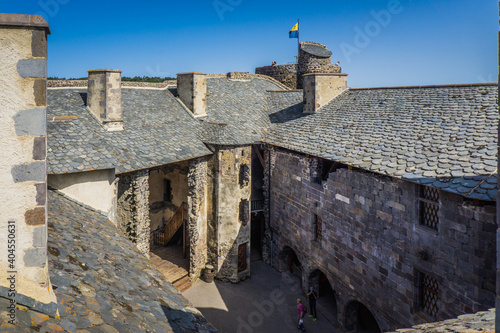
[
  {"x": 309, "y": 64},
  {"x": 133, "y": 208},
  {"x": 286, "y": 74},
  {"x": 229, "y": 223},
  {"x": 197, "y": 216},
  {"x": 320, "y": 89},
  {"x": 372, "y": 245},
  {"x": 160, "y": 210},
  {"x": 192, "y": 89},
  {"x": 24, "y": 277}
]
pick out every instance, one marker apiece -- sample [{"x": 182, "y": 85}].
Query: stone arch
[
  {"x": 358, "y": 318},
  {"x": 289, "y": 261},
  {"x": 327, "y": 299}
]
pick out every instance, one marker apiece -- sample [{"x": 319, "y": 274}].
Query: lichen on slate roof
[
  {"x": 157, "y": 131},
  {"x": 441, "y": 136},
  {"x": 100, "y": 278},
  {"x": 242, "y": 105}
]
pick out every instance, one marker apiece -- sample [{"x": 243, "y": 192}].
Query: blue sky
[{"x": 378, "y": 42}]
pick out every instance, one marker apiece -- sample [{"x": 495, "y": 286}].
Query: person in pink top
[{"x": 300, "y": 315}]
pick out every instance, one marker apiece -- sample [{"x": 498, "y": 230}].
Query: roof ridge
[
  {"x": 451, "y": 85},
  {"x": 251, "y": 75}
]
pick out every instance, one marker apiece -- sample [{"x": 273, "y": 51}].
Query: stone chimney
[
  {"x": 321, "y": 88},
  {"x": 23, "y": 132},
  {"x": 104, "y": 97},
  {"x": 192, "y": 90}
]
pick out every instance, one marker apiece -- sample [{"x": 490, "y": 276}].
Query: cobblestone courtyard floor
[{"x": 264, "y": 303}]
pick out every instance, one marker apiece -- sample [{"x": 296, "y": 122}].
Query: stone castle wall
[
  {"x": 133, "y": 208},
  {"x": 372, "y": 246},
  {"x": 286, "y": 74},
  {"x": 229, "y": 221},
  {"x": 308, "y": 64},
  {"x": 198, "y": 204}
]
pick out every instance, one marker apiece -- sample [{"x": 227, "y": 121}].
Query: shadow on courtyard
[{"x": 266, "y": 302}]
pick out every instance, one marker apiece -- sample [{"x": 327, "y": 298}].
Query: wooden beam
[{"x": 259, "y": 155}]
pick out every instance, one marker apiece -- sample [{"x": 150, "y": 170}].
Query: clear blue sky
[{"x": 419, "y": 42}]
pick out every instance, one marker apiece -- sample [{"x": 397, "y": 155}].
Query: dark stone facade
[{"x": 372, "y": 248}]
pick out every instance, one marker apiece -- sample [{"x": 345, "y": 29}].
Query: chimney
[
  {"x": 192, "y": 90},
  {"x": 23, "y": 132},
  {"x": 321, "y": 88},
  {"x": 104, "y": 97}
]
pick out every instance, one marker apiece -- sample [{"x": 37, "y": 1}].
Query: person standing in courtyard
[
  {"x": 300, "y": 315},
  {"x": 312, "y": 303}
]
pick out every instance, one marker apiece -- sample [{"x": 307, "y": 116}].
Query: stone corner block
[
  {"x": 30, "y": 122},
  {"x": 32, "y": 68},
  {"x": 35, "y": 257},
  {"x": 34, "y": 171}
]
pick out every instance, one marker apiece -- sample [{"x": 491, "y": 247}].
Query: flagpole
[
  {"x": 298, "y": 53},
  {"x": 298, "y": 40}
]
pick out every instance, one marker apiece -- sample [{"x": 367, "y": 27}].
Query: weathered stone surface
[
  {"x": 35, "y": 216},
  {"x": 34, "y": 171},
  {"x": 40, "y": 237},
  {"x": 100, "y": 286},
  {"x": 30, "y": 122},
  {"x": 367, "y": 243},
  {"x": 39, "y": 148},
  {"x": 35, "y": 257},
  {"x": 197, "y": 216},
  {"x": 483, "y": 321},
  {"x": 32, "y": 68}
]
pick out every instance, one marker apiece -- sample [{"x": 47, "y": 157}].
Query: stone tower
[{"x": 313, "y": 58}]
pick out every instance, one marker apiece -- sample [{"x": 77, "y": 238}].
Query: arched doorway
[
  {"x": 290, "y": 262},
  {"x": 359, "y": 319},
  {"x": 327, "y": 302}
]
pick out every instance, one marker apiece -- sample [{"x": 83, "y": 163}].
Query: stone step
[{"x": 183, "y": 283}]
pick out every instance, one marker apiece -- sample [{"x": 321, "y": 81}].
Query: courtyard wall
[{"x": 373, "y": 249}]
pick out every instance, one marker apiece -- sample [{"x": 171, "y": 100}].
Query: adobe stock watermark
[
  {"x": 488, "y": 79},
  {"x": 223, "y": 6},
  {"x": 157, "y": 72},
  {"x": 373, "y": 28},
  {"x": 50, "y": 7},
  {"x": 266, "y": 308}
]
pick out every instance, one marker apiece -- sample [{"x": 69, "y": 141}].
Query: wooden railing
[{"x": 161, "y": 238}]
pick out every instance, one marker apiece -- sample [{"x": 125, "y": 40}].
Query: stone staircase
[
  {"x": 183, "y": 283},
  {"x": 171, "y": 263},
  {"x": 177, "y": 220}
]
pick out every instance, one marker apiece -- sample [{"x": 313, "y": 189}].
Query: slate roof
[
  {"x": 157, "y": 131},
  {"x": 242, "y": 108},
  {"x": 441, "y": 136},
  {"x": 102, "y": 282}
]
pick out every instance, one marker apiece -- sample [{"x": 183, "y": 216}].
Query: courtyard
[{"x": 266, "y": 302}]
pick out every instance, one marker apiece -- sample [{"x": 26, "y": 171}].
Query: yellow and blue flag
[{"x": 294, "y": 33}]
